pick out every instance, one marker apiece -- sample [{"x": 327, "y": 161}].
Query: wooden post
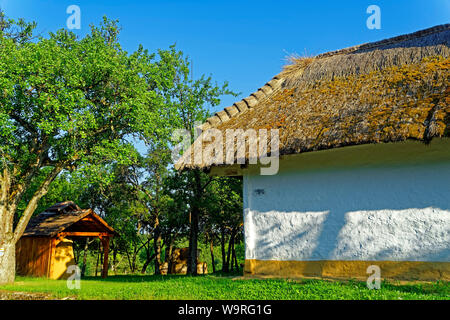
[
  {"x": 51, "y": 262},
  {"x": 105, "y": 241}
]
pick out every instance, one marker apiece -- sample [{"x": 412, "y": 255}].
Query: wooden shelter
[{"x": 45, "y": 249}]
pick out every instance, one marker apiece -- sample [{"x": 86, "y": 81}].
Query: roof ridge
[
  {"x": 275, "y": 83},
  {"x": 388, "y": 41},
  {"x": 244, "y": 104}
]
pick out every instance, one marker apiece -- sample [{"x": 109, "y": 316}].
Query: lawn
[{"x": 221, "y": 287}]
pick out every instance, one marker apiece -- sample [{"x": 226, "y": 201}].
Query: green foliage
[
  {"x": 189, "y": 100},
  {"x": 19, "y": 31},
  {"x": 224, "y": 202},
  {"x": 66, "y": 187},
  {"x": 73, "y": 100},
  {"x": 69, "y": 103},
  {"x": 70, "y": 110}
]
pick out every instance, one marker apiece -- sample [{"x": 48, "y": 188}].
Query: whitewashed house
[{"x": 364, "y": 165}]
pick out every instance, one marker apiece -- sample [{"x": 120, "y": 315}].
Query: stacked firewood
[{"x": 178, "y": 263}]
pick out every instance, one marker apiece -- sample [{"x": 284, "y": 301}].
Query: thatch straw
[
  {"x": 295, "y": 66},
  {"x": 338, "y": 66}
]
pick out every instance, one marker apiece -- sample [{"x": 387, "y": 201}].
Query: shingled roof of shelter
[{"x": 59, "y": 217}]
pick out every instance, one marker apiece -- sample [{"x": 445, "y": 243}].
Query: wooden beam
[
  {"x": 88, "y": 218},
  {"x": 234, "y": 170},
  {"x": 59, "y": 237},
  {"x": 84, "y": 234},
  {"x": 101, "y": 221},
  {"x": 51, "y": 262},
  {"x": 105, "y": 241}
]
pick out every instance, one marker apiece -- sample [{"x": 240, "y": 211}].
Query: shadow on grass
[
  {"x": 153, "y": 278},
  {"x": 134, "y": 278}
]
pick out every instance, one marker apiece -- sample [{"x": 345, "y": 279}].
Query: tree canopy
[
  {"x": 71, "y": 111},
  {"x": 66, "y": 103}
]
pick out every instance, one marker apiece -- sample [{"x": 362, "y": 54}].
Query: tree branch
[
  {"x": 207, "y": 183},
  {"x": 32, "y": 204}
]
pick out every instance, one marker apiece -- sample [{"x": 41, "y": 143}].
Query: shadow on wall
[
  {"x": 396, "y": 213},
  {"x": 64, "y": 258}
]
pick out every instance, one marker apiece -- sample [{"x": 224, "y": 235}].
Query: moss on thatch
[
  {"x": 388, "y": 91},
  {"x": 398, "y": 103}
]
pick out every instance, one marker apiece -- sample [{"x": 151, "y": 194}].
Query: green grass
[{"x": 221, "y": 287}]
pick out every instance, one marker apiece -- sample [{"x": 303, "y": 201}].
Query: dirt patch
[{"x": 14, "y": 295}]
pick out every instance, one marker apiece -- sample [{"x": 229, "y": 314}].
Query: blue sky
[{"x": 242, "y": 42}]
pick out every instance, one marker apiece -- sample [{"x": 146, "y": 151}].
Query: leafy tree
[
  {"x": 66, "y": 103},
  {"x": 224, "y": 217},
  {"x": 175, "y": 224},
  {"x": 191, "y": 101},
  {"x": 117, "y": 203},
  {"x": 147, "y": 178}
]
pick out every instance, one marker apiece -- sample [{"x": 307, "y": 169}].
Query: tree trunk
[
  {"x": 83, "y": 268},
  {"x": 101, "y": 260},
  {"x": 114, "y": 252},
  {"x": 193, "y": 234},
  {"x": 169, "y": 254},
  {"x": 233, "y": 255},
  {"x": 222, "y": 246},
  {"x": 157, "y": 246},
  {"x": 211, "y": 249},
  {"x": 133, "y": 260},
  {"x": 98, "y": 258},
  {"x": 130, "y": 265},
  {"x": 8, "y": 262},
  {"x": 149, "y": 256},
  {"x": 147, "y": 263},
  {"x": 193, "y": 242},
  {"x": 7, "y": 241},
  {"x": 9, "y": 200},
  {"x": 229, "y": 267}
]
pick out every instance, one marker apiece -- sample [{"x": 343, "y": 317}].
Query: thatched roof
[
  {"x": 64, "y": 216},
  {"x": 386, "y": 91}
]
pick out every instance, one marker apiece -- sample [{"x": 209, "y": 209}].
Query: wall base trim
[{"x": 392, "y": 270}]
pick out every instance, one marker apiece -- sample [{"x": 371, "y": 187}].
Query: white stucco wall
[{"x": 394, "y": 212}]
